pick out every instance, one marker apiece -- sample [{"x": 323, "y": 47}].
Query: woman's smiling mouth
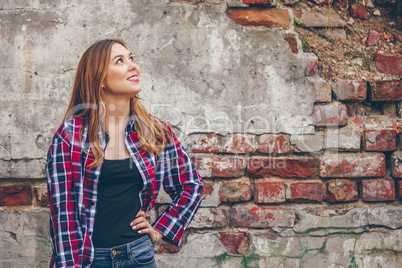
[{"x": 133, "y": 78}]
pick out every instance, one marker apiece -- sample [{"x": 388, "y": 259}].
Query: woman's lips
[{"x": 133, "y": 78}]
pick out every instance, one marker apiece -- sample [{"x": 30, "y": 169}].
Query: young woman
[{"x": 106, "y": 165}]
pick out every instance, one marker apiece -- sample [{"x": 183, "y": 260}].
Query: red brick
[
  {"x": 269, "y": 2},
  {"x": 274, "y": 143},
  {"x": 358, "y": 120},
  {"x": 217, "y": 166},
  {"x": 396, "y": 164},
  {"x": 355, "y": 90},
  {"x": 342, "y": 191},
  {"x": 386, "y": 90},
  {"x": 281, "y": 167},
  {"x": 235, "y": 191},
  {"x": 399, "y": 186},
  {"x": 322, "y": 89},
  {"x": 16, "y": 195},
  {"x": 389, "y": 64},
  {"x": 235, "y": 243},
  {"x": 208, "y": 188},
  {"x": 291, "y": 38},
  {"x": 379, "y": 140},
  {"x": 204, "y": 143},
  {"x": 211, "y": 217},
  {"x": 41, "y": 196},
  {"x": 262, "y": 217},
  {"x": 269, "y": 192},
  {"x": 330, "y": 115},
  {"x": 298, "y": 13},
  {"x": 378, "y": 190},
  {"x": 270, "y": 18},
  {"x": 240, "y": 143},
  {"x": 357, "y": 11},
  {"x": 352, "y": 165},
  {"x": 211, "y": 194},
  {"x": 309, "y": 191},
  {"x": 343, "y": 140},
  {"x": 372, "y": 38},
  {"x": 165, "y": 247},
  {"x": 311, "y": 62},
  {"x": 308, "y": 142}
]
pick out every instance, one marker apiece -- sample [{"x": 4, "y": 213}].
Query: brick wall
[
  {"x": 261, "y": 188},
  {"x": 330, "y": 197}
]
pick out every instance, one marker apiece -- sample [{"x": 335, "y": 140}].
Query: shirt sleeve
[
  {"x": 184, "y": 185},
  {"x": 64, "y": 227}
]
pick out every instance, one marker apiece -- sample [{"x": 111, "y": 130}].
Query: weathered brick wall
[{"x": 298, "y": 171}]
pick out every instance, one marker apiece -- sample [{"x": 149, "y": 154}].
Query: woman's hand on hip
[{"x": 141, "y": 224}]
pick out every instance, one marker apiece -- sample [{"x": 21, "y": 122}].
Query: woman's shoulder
[
  {"x": 70, "y": 127},
  {"x": 167, "y": 130}
]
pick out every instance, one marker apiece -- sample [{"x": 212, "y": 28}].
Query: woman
[{"x": 106, "y": 165}]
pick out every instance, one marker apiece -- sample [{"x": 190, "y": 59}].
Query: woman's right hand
[{"x": 141, "y": 224}]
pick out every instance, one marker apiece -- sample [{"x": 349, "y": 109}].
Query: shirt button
[{"x": 114, "y": 252}]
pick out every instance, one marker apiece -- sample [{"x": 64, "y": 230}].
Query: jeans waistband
[{"x": 123, "y": 250}]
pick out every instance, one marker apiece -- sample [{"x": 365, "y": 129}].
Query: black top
[{"x": 118, "y": 203}]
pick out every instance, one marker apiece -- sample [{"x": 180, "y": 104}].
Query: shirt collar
[{"x": 130, "y": 126}]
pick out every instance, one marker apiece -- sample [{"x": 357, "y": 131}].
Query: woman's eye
[
  {"x": 119, "y": 61},
  {"x": 132, "y": 59}
]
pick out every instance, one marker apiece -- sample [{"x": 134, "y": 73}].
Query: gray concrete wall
[{"x": 202, "y": 72}]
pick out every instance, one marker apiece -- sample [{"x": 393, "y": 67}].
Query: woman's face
[{"x": 122, "y": 77}]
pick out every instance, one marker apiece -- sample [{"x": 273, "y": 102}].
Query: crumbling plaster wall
[{"x": 202, "y": 73}]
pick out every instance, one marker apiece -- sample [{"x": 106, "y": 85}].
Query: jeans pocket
[{"x": 144, "y": 255}]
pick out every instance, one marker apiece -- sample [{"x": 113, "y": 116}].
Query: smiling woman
[
  {"x": 122, "y": 76},
  {"x": 106, "y": 165}
]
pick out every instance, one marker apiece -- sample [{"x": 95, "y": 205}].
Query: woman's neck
[
  {"x": 116, "y": 122},
  {"x": 118, "y": 114}
]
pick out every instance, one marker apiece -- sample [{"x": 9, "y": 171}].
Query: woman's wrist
[{"x": 157, "y": 236}]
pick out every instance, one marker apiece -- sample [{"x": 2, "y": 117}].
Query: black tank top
[{"x": 118, "y": 203}]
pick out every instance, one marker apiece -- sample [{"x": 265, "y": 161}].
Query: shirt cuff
[{"x": 170, "y": 227}]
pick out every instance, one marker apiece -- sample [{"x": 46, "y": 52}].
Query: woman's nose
[{"x": 133, "y": 65}]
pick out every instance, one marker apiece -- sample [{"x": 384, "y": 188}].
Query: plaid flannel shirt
[{"x": 72, "y": 190}]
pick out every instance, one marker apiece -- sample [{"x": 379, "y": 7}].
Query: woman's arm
[
  {"x": 184, "y": 185},
  {"x": 64, "y": 226}
]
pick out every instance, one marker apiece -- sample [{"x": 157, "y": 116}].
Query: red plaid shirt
[{"x": 72, "y": 190}]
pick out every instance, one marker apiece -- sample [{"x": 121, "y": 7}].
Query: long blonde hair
[{"x": 87, "y": 102}]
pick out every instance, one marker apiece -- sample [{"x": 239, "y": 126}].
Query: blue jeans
[{"x": 139, "y": 253}]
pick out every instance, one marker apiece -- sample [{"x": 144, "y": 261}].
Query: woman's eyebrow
[{"x": 120, "y": 56}]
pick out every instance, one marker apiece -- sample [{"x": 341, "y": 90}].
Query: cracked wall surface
[
  {"x": 192, "y": 58},
  {"x": 334, "y": 244},
  {"x": 284, "y": 186}
]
